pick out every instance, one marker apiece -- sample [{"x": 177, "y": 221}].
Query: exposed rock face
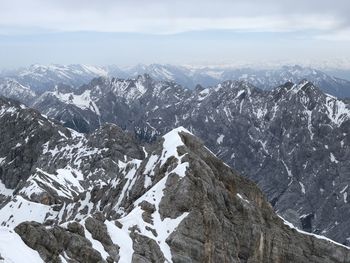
[
  {"x": 23, "y": 131},
  {"x": 171, "y": 201},
  {"x": 292, "y": 141},
  {"x": 50, "y": 243}
]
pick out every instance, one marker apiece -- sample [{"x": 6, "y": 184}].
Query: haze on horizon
[{"x": 176, "y": 32}]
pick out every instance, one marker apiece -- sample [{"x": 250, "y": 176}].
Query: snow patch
[
  {"x": 82, "y": 101},
  {"x": 5, "y": 191},
  {"x": 302, "y": 187},
  {"x": 290, "y": 225},
  {"x": 333, "y": 159},
  {"x": 11, "y": 217},
  {"x": 14, "y": 250},
  {"x": 220, "y": 139}
]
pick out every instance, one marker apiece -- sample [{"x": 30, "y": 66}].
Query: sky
[{"x": 176, "y": 32}]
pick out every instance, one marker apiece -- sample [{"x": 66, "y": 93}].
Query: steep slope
[
  {"x": 293, "y": 141},
  {"x": 99, "y": 101},
  {"x": 104, "y": 198},
  {"x": 12, "y": 89}
]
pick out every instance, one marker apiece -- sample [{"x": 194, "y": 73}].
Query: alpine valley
[{"x": 96, "y": 168}]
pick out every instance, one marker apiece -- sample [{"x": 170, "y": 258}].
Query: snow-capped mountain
[
  {"x": 10, "y": 88},
  {"x": 265, "y": 79},
  {"x": 42, "y": 78},
  {"x": 262, "y": 78},
  {"x": 293, "y": 141},
  {"x": 103, "y": 197},
  {"x": 98, "y": 102}
]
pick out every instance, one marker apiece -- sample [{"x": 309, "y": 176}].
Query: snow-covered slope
[
  {"x": 41, "y": 78},
  {"x": 14, "y": 250},
  {"x": 10, "y": 88}
]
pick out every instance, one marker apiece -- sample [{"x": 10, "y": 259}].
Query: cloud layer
[
  {"x": 181, "y": 31},
  {"x": 167, "y": 17}
]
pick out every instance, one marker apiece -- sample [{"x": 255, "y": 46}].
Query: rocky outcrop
[
  {"x": 50, "y": 243},
  {"x": 23, "y": 131}
]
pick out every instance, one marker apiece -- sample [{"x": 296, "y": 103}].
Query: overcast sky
[{"x": 180, "y": 32}]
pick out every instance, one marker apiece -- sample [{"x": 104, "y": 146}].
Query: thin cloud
[
  {"x": 168, "y": 17},
  {"x": 163, "y": 31}
]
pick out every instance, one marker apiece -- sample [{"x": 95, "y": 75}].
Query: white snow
[
  {"x": 130, "y": 176},
  {"x": 302, "y": 187},
  {"x": 203, "y": 94},
  {"x": 239, "y": 93},
  {"x": 263, "y": 144},
  {"x": 5, "y": 110},
  {"x": 82, "y": 101},
  {"x": 261, "y": 113},
  {"x": 149, "y": 172},
  {"x": 14, "y": 250},
  {"x": 5, "y": 191},
  {"x": 309, "y": 123},
  {"x": 154, "y": 195},
  {"x": 289, "y": 172},
  {"x": 344, "y": 189},
  {"x": 64, "y": 183},
  {"x": 122, "y": 238},
  {"x": 19, "y": 210},
  {"x": 172, "y": 140},
  {"x": 220, "y": 139},
  {"x": 98, "y": 71},
  {"x": 333, "y": 159},
  {"x": 310, "y": 234},
  {"x": 241, "y": 197},
  {"x": 337, "y": 110},
  {"x": 345, "y": 195},
  {"x": 96, "y": 244}
]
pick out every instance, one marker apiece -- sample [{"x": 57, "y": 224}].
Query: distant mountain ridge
[{"x": 41, "y": 78}]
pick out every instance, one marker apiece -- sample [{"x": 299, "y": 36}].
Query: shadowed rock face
[
  {"x": 174, "y": 200},
  {"x": 23, "y": 131},
  {"x": 292, "y": 141}
]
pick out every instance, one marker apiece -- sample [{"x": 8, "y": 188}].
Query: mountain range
[
  {"x": 41, "y": 78},
  {"x": 106, "y": 197},
  {"x": 65, "y": 157},
  {"x": 292, "y": 141}
]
